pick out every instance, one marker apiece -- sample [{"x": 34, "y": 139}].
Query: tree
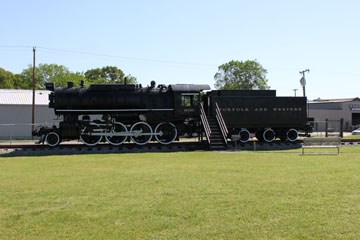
[
  {"x": 7, "y": 79},
  {"x": 131, "y": 79},
  {"x": 108, "y": 74},
  {"x": 58, "y": 74},
  {"x": 239, "y": 75}
]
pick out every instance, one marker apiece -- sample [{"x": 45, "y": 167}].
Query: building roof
[
  {"x": 337, "y": 100},
  {"x": 23, "y": 97}
]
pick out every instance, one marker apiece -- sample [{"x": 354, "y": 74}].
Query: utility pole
[
  {"x": 33, "y": 97},
  {"x": 302, "y": 80}
]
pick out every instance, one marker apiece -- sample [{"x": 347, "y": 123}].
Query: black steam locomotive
[{"x": 117, "y": 113}]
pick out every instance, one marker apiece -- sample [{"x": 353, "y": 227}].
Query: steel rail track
[
  {"x": 79, "y": 148},
  {"x": 152, "y": 145},
  {"x": 28, "y": 149}
]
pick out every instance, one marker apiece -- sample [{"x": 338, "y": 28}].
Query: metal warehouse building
[
  {"x": 16, "y": 112},
  {"x": 335, "y": 109}
]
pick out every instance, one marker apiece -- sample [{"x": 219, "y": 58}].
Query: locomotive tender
[
  {"x": 117, "y": 113},
  {"x": 260, "y": 113}
]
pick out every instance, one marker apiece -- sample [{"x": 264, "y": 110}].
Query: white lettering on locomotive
[
  {"x": 234, "y": 109},
  {"x": 262, "y": 109}
]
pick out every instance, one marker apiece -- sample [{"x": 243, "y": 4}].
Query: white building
[{"x": 16, "y": 112}]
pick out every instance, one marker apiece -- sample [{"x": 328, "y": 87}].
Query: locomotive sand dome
[{"x": 117, "y": 113}]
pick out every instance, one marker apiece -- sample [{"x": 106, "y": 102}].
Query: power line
[
  {"x": 127, "y": 58},
  {"x": 16, "y": 46},
  {"x": 147, "y": 60}
]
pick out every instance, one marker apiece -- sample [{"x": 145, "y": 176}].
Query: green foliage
[
  {"x": 184, "y": 195},
  {"x": 108, "y": 74},
  {"x": 238, "y": 75},
  {"x": 8, "y": 79},
  {"x": 131, "y": 79},
  {"x": 60, "y": 75}
]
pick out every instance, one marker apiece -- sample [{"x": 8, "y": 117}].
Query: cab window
[
  {"x": 189, "y": 100},
  {"x": 196, "y": 100},
  {"x": 186, "y": 101}
]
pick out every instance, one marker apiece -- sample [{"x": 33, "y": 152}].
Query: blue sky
[{"x": 185, "y": 41}]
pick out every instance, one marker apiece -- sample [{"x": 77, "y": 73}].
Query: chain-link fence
[
  {"x": 15, "y": 132},
  {"x": 327, "y": 128}
]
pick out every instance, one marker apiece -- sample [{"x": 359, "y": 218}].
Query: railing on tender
[
  {"x": 205, "y": 122},
  {"x": 221, "y": 122}
]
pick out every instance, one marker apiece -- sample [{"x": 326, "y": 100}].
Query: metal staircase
[
  {"x": 215, "y": 129},
  {"x": 216, "y": 138}
]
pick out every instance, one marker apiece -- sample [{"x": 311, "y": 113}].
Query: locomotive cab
[
  {"x": 187, "y": 99},
  {"x": 187, "y": 104}
]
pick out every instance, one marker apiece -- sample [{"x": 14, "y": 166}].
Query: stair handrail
[
  {"x": 221, "y": 122},
  {"x": 205, "y": 122}
]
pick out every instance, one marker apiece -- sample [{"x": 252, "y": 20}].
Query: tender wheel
[
  {"x": 165, "y": 132},
  {"x": 141, "y": 133},
  {"x": 88, "y": 138},
  {"x": 244, "y": 135},
  {"x": 116, "y": 129},
  {"x": 269, "y": 135},
  {"x": 292, "y": 135},
  {"x": 52, "y": 139}
]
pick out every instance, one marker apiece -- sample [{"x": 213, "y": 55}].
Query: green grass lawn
[
  {"x": 190, "y": 195},
  {"x": 352, "y": 137}
]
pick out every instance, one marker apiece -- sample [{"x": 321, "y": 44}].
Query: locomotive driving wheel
[
  {"x": 141, "y": 133},
  {"x": 91, "y": 135},
  {"x": 165, "y": 132},
  {"x": 114, "y": 135}
]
